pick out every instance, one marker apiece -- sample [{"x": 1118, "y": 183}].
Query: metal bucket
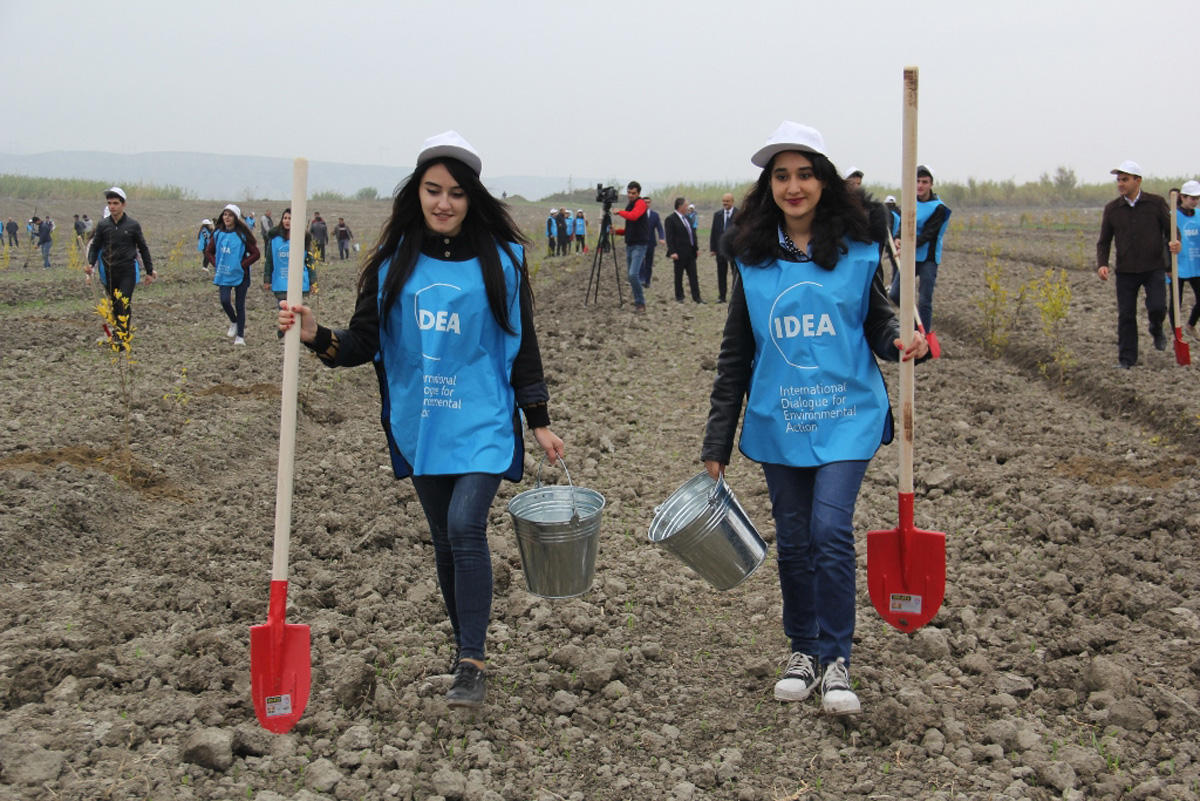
[
  {"x": 558, "y": 534},
  {"x": 703, "y": 524}
]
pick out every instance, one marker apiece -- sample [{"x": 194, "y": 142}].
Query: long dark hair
[
  {"x": 239, "y": 225},
  {"x": 487, "y": 226},
  {"x": 839, "y": 214}
]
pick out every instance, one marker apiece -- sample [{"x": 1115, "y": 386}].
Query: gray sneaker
[
  {"x": 836, "y": 696},
  {"x": 799, "y": 678}
]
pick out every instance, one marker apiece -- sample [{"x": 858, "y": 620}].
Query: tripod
[{"x": 605, "y": 242}]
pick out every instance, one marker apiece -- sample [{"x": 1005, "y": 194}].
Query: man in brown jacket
[{"x": 1140, "y": 223}]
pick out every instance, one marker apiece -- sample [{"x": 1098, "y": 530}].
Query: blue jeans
[
  {"x": 813, "y": 509},
  {"x": 46, "y": 254},
  {"x": 926, "y": 279},
  {"x": 635, "y": 257},
  {"x": 457, "y": 510},
  {"x": 235, "y": 313}
]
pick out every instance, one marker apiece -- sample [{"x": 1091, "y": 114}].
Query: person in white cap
[
  {"x": 118, "y": 242},
  {"x": 1140, "y": 224},
  {"x": 1189, "y": 251},
  {"x": 807, "y": 319},
  {"x": 854, "y": 178},
  {"x": 231, "y": 251},
  {"x": 551, "y": 231},
  {"x": 202, "y": 238},
  {"x": 894, "y": 210},
  {"x": 933, "y": 218},
  {"x": 444, "y": 301}
]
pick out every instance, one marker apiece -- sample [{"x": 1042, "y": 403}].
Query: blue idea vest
[
  {"x": 449, "y": 404},
  {"x": 280, "y": 245},
  {"x": 816, "y": 394},
  {"x": 202, "y": 239},
  {"x": 1189, "y": 244},
  {"x": 230, "y": 249},
  {"x": 924, "y": 210}
]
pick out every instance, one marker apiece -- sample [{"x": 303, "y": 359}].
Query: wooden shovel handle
[
  {"x": 291, "y": 374},
  {"x": 1176, "y": 291},
  {"x": 908, "y": 270}
]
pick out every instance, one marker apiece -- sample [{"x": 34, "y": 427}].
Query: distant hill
[{"x": 217, "y": 177}]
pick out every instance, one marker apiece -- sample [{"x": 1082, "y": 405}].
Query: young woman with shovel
[
  {"x": 444, "y": 300},
  {"x": 807, "y": 310}
]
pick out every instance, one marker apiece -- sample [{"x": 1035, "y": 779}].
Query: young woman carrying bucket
[
  {"x": 449, "y": 268},
  {"x": 807, "y": 310}
]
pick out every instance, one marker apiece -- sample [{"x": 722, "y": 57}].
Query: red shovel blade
[
  {"x": 935, "y": 347},
  {"x": 280, "y": 666},
  {"x": 1183, "y": 352},
  {"x": 906, "y": 571}
]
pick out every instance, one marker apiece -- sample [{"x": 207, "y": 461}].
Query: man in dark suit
[
  {"x": 656, "y": 236},
  {"x": 681, "y": 249},
  {"x": 721, "y": 221}
]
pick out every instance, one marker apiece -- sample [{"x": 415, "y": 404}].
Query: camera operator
[{"x": 637, "y": 241}]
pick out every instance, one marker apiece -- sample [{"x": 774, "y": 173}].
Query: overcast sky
[{"x": 653, "y": 91}]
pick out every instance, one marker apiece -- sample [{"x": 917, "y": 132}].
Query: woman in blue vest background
[
  {"x": 445, "y": 312},
  {"x": 276, "y": 247},
  {"x": 808, "y": 308},
  {"x": 202, "y": 236},
  {"x": 1189, "y": 252},
  {"x": 231, "y": 252}
]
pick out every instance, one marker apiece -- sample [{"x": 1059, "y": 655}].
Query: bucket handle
[
  {"x": 716, "y": 489},
  {"x": 563, "y": 462}
]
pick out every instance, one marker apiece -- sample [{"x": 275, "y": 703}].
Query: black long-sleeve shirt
[
  {"x": 359, "y": 343},
  {"x": 120, "y": 243}
]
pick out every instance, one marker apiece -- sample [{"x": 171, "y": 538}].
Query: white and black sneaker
[
  {"x": 799, "y": 678},
  {"x": 836, "y": 696},
  {"x": 232, "y": 330}
]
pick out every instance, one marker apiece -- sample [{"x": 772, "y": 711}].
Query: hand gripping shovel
[
  {"x": 1183, "y": 353},
  {"x": 935, "y": 347},
  {"x": 280, "y": 653},
  {"x": 906, "y": 566}
]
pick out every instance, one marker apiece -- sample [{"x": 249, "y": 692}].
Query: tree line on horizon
[{"x": 1062, "y": 189}]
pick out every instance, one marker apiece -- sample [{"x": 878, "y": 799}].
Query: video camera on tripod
[{"x": 607, "y": 195}]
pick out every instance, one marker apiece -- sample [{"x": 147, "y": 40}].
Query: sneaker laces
[
  {"x": 837, "y": 677},
  {"x": 800, "y": 666}
]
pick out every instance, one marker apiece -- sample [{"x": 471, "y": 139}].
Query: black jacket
[
  {"x": 736, "y": 360},
  {"x": 119, "y": 244}
]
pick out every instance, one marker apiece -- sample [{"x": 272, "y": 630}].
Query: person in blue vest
[
  {"x": 808, "y": 315},
  {"x": 202, "y": 238},
  {"x": 276, "y": 250},
  {"x": 445, "y": 313},
  {"x": 933, "y": 217},
  {"x": 894, "y": 211},
  {"x": 250, "y": 221},
  {"x": 231, "y": 251},
  {"x": 551, "y": 232},
  {"x": 580, "y": 232},
  {"x": 1189, "y": 252}
]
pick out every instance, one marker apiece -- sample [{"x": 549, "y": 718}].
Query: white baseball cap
[
  {"x": 890, "y": 199},
  {"x": 789, "y": 136},
  {"x": 116, "y": 190},
  {"x": 206, "y": 221},
  {"x": 450, "y": 144},
  {"x": 852, "y": 172},
  {"x": 1130, "y": 167},
  {"x": 554, "y": 211},
  {"x": 1191, "y": 189},
  {"x": 234, "y": 208}
]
